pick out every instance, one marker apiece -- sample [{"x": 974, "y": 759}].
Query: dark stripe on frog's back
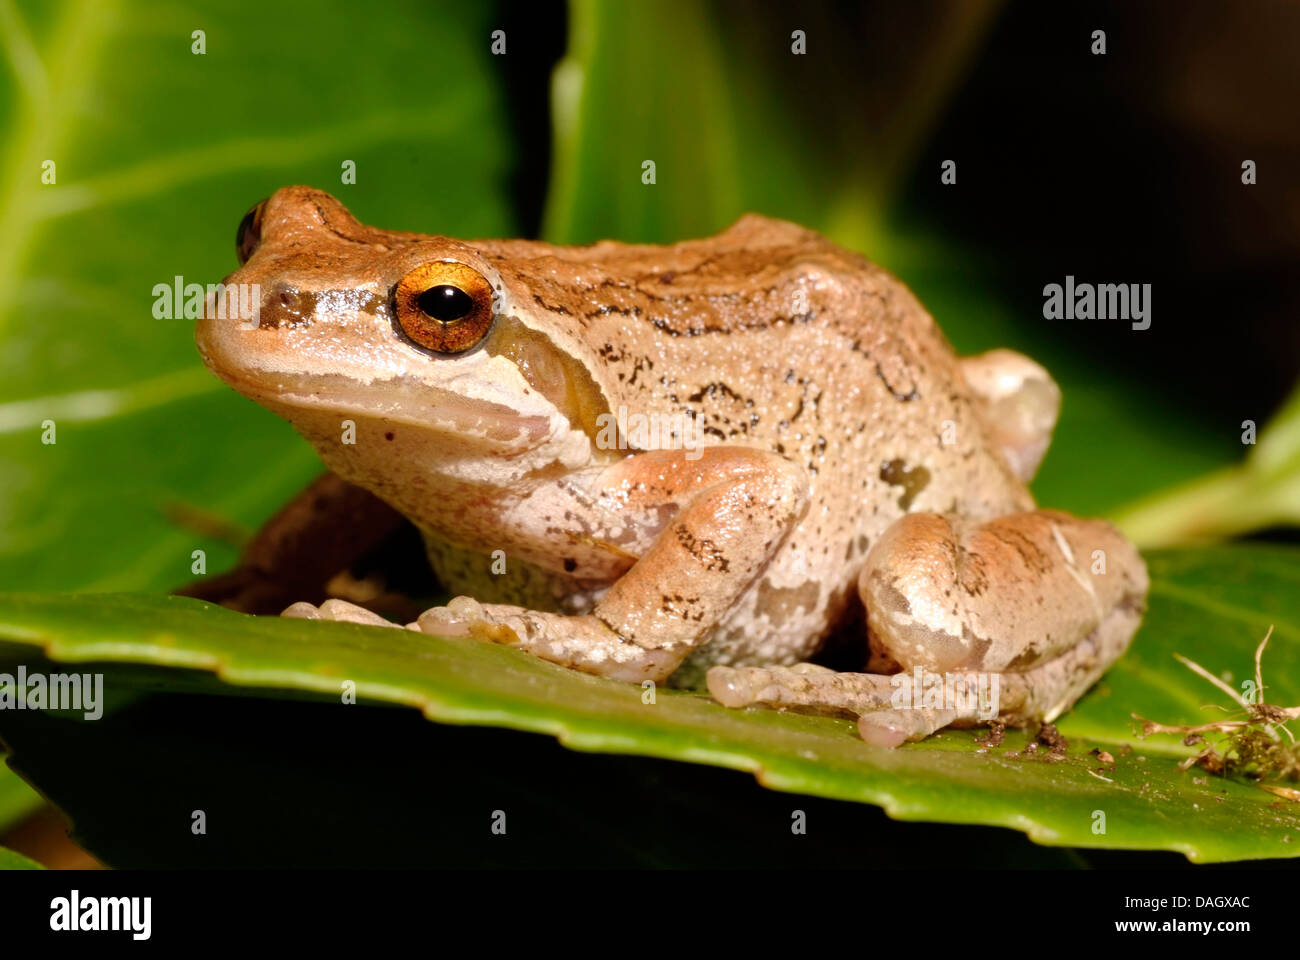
[
  {"x": 610, "y": 278},
  {"x": 605, "y": 290},
  {"x": 602, "y": 304},
  {"x": 703, "y": 295}
]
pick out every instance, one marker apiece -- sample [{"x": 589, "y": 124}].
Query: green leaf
[
  {"x": 1262, "y": 492},
  {"x": 157, "y": 153},
  {"x": 10, "y": 860},
  {"x": 1212, "y": 606}
]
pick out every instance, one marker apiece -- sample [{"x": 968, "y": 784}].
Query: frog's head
[{"x": 416, "y": 341}]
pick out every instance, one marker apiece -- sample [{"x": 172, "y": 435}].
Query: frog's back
[{"x": 739, "y": 319}]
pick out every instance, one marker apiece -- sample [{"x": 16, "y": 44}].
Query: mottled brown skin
[{"x": 845, "y": 449}]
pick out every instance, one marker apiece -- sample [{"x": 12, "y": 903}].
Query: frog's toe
[
  {"x": 302, "y": 610},
  {"x": 810, "y": 668},
  {"x": 338, "y": 610},
  {"x": 805, "y": 687},
  {"x": 893, "y": 728},
  {"x": 730, "y": 687},
  {"x": 456, "y": 619},
  {"x": 581, "y": 642}
]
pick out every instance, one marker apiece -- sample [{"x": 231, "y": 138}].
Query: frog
[{"x": 687, "y": 465}]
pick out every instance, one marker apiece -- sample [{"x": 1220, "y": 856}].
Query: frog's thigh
[
  {"x": 1020, "y": 400},
  {"x": 731, "y": 507},
  {"x": 945, "y": 593}
]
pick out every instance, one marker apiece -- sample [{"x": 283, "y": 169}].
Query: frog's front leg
[
  {"x": 729, "y": 509},
  {"x": 722, "y": 515},
  {"x": 1014, "y": 618}
]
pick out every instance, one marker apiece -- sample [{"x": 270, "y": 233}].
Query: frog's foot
[
  {"x": 580, "y": 642},
  {"x": 338, "y": 610},
  {"x": 807, "y": 688}
]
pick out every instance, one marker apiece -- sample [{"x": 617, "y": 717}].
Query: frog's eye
[
  {"x": 249, "y": 234},
  {"x": 444, "y": 306}
]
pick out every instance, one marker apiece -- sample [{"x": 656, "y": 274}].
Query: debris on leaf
[
  {"x": 1054, "y": 740},
  {"x": 993, "y": 737},
  {"x": 1251, "y": 743},
  {"x": 1285, "y": 792},
  {"x": 1047, "y": 736},
  {"x": 1104, "y": 756},
  {"x": 997, "y": 733}
]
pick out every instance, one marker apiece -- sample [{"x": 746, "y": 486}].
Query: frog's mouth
[{"x": 329, "y": 399}]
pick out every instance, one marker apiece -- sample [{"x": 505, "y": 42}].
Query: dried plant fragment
[{"x": 1250, "y": 741}]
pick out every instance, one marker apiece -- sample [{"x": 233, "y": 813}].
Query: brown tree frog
[{"x": 687, "y": 463}]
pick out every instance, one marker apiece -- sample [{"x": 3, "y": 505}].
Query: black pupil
[{"x": 446, "y": 303}]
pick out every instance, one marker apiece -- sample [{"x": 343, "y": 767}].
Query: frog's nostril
[{"x": 249, "y": 234}]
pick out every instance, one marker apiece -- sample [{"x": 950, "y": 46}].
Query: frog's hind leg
[
  {"x": 1014, "y": 618},
  {"x": 949, "y": 594},
  {"x": 1040, "y": 694},
  {"x": 806, "y": 687}
]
